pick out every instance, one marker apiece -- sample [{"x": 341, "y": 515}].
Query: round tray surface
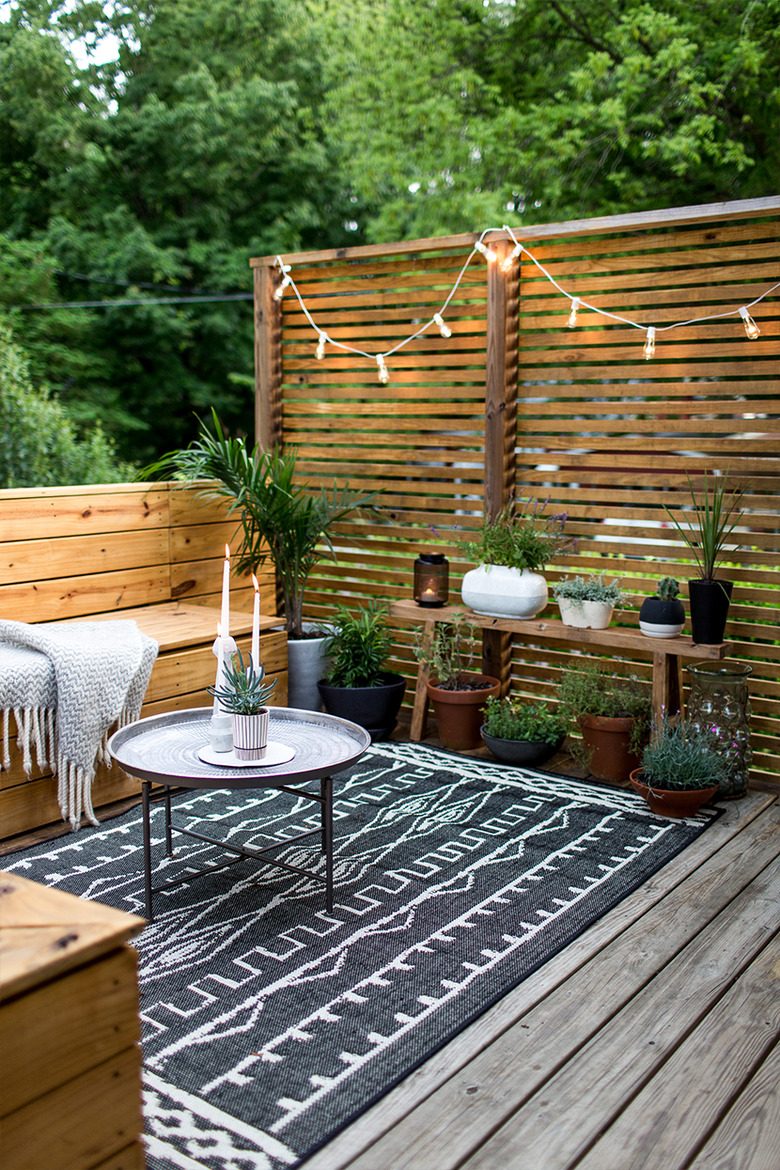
[
  {"x": 275, "y": 753},
  {"x": 166, "y": 748}
]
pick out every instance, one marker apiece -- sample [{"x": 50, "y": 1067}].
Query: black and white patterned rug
[{"x": 269, "y": 1024}]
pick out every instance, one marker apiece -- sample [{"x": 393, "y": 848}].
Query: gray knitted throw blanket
[{"x": 68, "y": 684}]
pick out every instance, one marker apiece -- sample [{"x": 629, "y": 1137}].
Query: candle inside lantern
[
  {"x": 256, "y": 624},
  {"x": 225, "y": 617}
]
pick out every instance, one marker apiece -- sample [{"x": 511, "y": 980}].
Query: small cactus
[{"x": 668, "y": 589}]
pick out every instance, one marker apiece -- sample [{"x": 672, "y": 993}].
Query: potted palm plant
[
  {"x": 357, "y": 686},
  {"x": 458, "y": 695},
  {"x": 522, "y": 733},
  {"x": 715, "y": 515},
  {"x": 613, "y": 714},
  {"x": 587, "y": 603},
  {"x": 244, "y": 693},
  {"x": 510, "y": 551},
  {"x": 681, "y": 770},
  {"x": 281, "y": 520}
]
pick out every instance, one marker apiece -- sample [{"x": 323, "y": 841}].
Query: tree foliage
[{"x": 222, "y": 131}]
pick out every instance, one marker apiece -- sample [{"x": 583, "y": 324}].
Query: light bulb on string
[
  {"x": 321, "y": 346},
  {"x": 508, "y": 261},
  {"x": 383, "y": 375},
  {"x": 650, "y": 342},
  {"x": 286, "y": 280},
  {"x": 444, "y": 328},
  {"x": 488, "y": 253},
  {"x": 575, "y": 304},
  {"x": 751, "y": 328}
]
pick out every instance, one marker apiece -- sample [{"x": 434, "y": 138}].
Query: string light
[
  {"x": 577, "y": 303},
  {"x": 488, "y": 253},
  {"x": 751, "y": 328},
  {"x": 508, "y": 261}
]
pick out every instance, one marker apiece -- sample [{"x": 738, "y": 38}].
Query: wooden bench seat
[{"x": 145, "y": 552}]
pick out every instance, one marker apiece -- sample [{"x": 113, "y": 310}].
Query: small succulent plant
[
  {"x": 667, "y": 589},
  {"x": 243, "y": 691}
]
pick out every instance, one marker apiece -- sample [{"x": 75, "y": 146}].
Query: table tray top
[{"x": 164, "y": 748}]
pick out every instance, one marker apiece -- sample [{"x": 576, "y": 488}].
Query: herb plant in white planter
[
  {"x": 587, "y": 602},
  {"x": 511, "y": 550},
  {"x": 522, "y": 733},
  {"x": 244, "y": 693}
]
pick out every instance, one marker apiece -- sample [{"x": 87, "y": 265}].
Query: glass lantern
[
  {"x": 718, "y": 702},
  {"x": 431, "y": 579}
]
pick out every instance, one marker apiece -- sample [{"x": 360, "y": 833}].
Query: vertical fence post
[
  {"x": 268, "y": 358},
  {"x": 500, "y": 426}
]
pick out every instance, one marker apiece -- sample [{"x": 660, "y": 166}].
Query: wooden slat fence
[{"x": 516, "y": 400}]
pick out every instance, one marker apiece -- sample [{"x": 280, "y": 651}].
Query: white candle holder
[{"x": 221, "y": 725}]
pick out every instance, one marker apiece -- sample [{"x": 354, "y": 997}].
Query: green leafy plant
[
  {"x": 594, "y": 588},
  {"x": 507, "y": 719},
  {"x": 243, "y": 691},
  {"x": 591, "y": 691},
  {"x": 358, "y": 645},
  {"x": 715, "y": 516},
  {"x": 681, "y": 757},
  {"x": 450, "y": 653},
  {"x": 521, "y": 536},
  {"x": 281, "y": 519},
  {"x": 668, "y": 589}
]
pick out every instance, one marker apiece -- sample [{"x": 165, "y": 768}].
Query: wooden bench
[
  {"x": 667, "y": 653},
  {"x": 146, "y": 552}
]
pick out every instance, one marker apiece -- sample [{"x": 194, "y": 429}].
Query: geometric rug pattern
[{"x": 269, "y": 1024}]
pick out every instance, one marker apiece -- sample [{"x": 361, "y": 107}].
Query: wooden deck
[{"x": 651, "y": 1041}]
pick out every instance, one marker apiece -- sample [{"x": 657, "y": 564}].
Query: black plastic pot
[
  {"x": 374, "y": 708},
  {"x": 530, "y": 753},
  {"x": 709, "y": 610}
]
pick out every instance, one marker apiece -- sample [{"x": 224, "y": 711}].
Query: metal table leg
[
  {"x": 168, "y": 836},
  {"x": 147, "y": 830},
  {"x": 326, "y": 790}
]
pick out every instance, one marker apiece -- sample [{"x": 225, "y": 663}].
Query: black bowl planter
[
  {"x": 374, "y": 708},
  {"x": 709, "y": 610},
  {"x": 660, "y": 617},
  {"x": 530, "y": 753}
]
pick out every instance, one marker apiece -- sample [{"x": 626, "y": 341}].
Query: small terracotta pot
[
  {"x": 669, "y": 802},
  {"x": 459, "y": 714},
  {"x": 608, "y": 742}
]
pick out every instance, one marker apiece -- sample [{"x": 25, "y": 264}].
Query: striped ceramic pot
[{"x": 250, "y": 735}]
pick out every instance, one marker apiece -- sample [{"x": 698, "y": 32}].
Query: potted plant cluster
[
  {"x": 715, "y": 516},
  {"x": 663, "y": 615},
  {"x": 357, "y": 686},
  {"x": 281, "y": 520},
  {"x": 510, "y": 551},
  {"x": 244, "y": 693},
  {"x": 681, "y": 770},
  {"x": 457, "y": 694},
  {"x": 587, "y": 602},
  {"x": 613, "y": 714},
  {"x": 522, "y": 733}
]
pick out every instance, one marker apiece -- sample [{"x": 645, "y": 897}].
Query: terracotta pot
[
  {"x": 669, "y": 802},
  {"x": 459, "y": 714},
  {"x": 709, "y": 604},
  {"x": 608, "y": 742}
]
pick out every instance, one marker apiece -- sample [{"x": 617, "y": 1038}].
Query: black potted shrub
[
  {"x": 663, "y": 615},
  {"x": 357, "y": 687},
  {"x": 522, "y": 733}
]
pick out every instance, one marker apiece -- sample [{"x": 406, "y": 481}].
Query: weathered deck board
[{"x": 590, "y": 1062}]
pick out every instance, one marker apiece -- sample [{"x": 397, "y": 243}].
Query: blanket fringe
[{"x": 74, "y": 792}]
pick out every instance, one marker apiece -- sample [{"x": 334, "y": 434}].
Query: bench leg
[
  {"x": 420, "y": 709},
  {"x": 667, "y": 687}
]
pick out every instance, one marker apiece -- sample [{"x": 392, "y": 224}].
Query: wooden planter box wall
[
  {"x": 515, "y": 400},
  {"x": 149, "y": 552}
]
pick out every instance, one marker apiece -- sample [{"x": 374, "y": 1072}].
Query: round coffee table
[{"x": 165, "y": 749}]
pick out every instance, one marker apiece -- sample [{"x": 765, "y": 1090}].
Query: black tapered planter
[
  {"x": 709, "y": 610},
  {"x": 374, "y": 708}
]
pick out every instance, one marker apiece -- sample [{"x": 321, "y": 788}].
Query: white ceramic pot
[
  {"x": 585, "y": 615},
  {"x": 498, "y": 591},
  {"x": 250, "y": 735}
]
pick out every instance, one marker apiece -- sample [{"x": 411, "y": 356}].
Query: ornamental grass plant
[
  {"x": 682, "y": 757},
  {"x": 707, "y": 527}
]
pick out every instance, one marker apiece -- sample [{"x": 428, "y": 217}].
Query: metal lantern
[{"x": 431, "y": 579}]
